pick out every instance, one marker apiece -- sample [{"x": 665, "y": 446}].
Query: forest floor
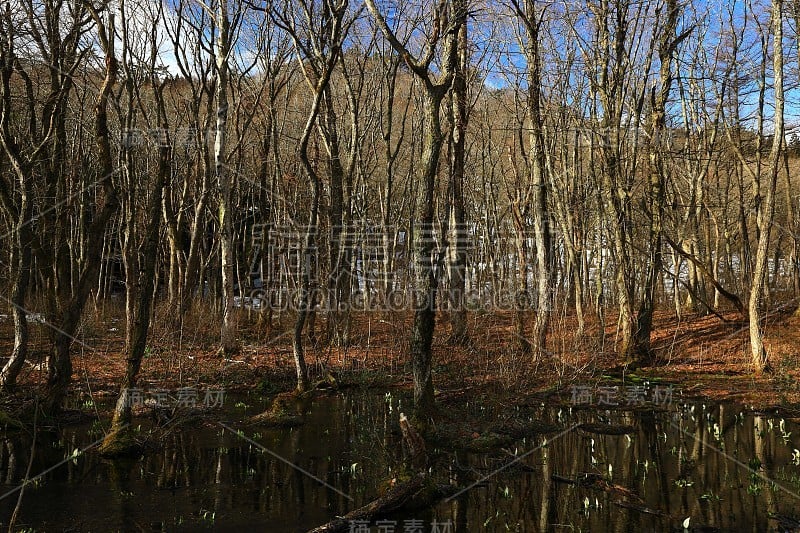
[
  {"x": 489, "y": 395},
  {"x": 699, "y": 357}
]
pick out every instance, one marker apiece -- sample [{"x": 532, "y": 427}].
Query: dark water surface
[{"x": 716, "y": 465}]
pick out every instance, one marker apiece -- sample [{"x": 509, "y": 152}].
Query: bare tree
[
  {"x": 188, "y": 31},
  {"x": 225, "y": 28},
  {"x": 447, "y": 22},
  {"x": 656, "y": 200},
  {"x": 16, "y": 196},
  {"x": 143, "y": 229},
  {"x": 766, "y": 215},
  {"x": 71, "y": 303},
  {"x": 318, "y": 30},
  {"x": 532, "y": 18}
]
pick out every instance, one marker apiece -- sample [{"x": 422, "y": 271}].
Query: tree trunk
[
  {"x": 766, "y": 215},
  {"x": 338, "y": 257},
  {"x": 424, "y": 271},
  {"x": 119, "y": 441},
  {"x": 425, "y": 278},
  {"x": 60, "y": 364},
  {"x": 540, "y": 183},
  {"x": 330, "y": 39},
  {"x": 228, "y": 337},
  {"x": 20, "y": 268},
  {"x": 458, "y": 235},
  {"x": 656, "y": 193}
]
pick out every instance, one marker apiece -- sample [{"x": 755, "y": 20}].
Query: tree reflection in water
[{"x": 202, "y": 476}]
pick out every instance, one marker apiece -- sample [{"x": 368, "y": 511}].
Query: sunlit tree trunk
[
  {"x": 228, "y": 337},
  {"x": 540, "y": 181},
  {"x": 318, "y": 41},
  {"x": 765, "y": 217},
  {"x": 458, "y": 235}
]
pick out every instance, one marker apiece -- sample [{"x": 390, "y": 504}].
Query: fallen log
[
  {"x": 417, "y": 492},
  {"x": 394, "y": 500},
  {"x": 640, "y": 508},
  {"x": 786, "y": 523}
]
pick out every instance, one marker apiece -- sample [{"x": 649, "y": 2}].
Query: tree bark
[
  {"x": 458, "y": 233},
  {"x": 539, "y": 180},
  {"x": 228, "y": 337},
  {"x": 766, "y": 215},
  {"x": 425, "y": 284},
  {"x": 656, "y": 193},
  {"x": 60, "y": 363},
  {"x": 118, "y": 441}
]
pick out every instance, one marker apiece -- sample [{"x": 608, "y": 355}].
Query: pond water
[{"x": 718, "y": 466}]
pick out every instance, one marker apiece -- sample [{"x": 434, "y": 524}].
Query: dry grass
[{"x": 701, "y": 355}]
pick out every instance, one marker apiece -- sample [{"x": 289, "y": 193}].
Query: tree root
[
  {"x": 285, "y": 412},
  {"x": 120, "y": 443}
]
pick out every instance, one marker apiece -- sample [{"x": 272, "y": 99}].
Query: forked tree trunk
[
  {"x": 60, "y": 364},
  {"x": 318, "y": 75},
  {"x": 425, "y": 280}
]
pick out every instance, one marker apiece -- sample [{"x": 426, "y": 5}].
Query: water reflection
[{"x": 691, "y": 462}]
